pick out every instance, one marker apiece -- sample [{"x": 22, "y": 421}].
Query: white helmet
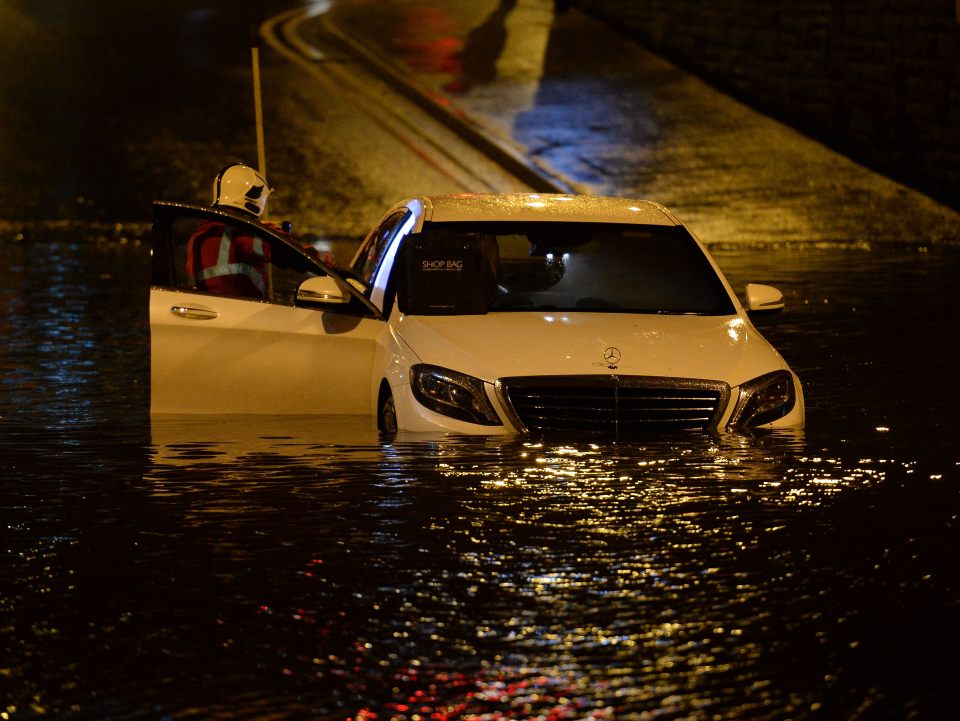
[{"x": 240, "y": 186}]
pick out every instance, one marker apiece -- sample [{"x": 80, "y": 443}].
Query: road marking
[{"x": 281, "y": 33}]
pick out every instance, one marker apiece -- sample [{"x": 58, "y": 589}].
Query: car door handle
[{"x": 194, "y": 312}]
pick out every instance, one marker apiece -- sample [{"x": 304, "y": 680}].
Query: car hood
[{"x": 499, "y": 345}]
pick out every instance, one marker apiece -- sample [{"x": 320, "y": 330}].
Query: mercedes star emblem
[{"x": 612, "y": 356}]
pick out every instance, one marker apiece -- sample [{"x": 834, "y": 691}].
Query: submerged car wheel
[{"x": 387, "y": 415}]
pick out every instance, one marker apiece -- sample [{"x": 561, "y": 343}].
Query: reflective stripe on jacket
[{"x": 224, "y": 259}]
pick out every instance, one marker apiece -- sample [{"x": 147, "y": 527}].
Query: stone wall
[{"x": 878, "y": 80}]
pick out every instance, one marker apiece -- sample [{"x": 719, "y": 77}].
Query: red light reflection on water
[
  {"x": 489, "y": 696},
  {"x": 428, "y": 41}
]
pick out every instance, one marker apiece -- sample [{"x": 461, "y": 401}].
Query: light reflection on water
[
  {"x": 297, "y": 567},
  {"x": 464, "y": 577}
]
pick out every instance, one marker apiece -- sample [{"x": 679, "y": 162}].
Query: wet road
[
  {"x": 599, "y": 114},
  {"x": 130, "y": 107},
  {"x": 300, "y": 568}
]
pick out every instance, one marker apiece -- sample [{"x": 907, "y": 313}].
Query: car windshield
[{"x": 463, "y": 268}]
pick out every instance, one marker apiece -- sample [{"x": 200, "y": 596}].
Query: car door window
[
  {"x": 370, "y": 255},
  {"x": 218, "y": 254}
]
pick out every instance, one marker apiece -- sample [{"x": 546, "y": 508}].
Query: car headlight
[
  {"x": 763, "y": 400},
  {"x": 453, "y": 394}
]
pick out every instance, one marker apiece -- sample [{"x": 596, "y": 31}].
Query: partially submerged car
[{"x": 479, "y": 314}]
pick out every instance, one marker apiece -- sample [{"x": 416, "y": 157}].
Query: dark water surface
[{"x": 275, "y": 568}]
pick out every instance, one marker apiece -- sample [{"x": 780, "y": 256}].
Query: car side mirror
[
  {"x": 763, "y": 299},
  {"x": 322, "y": 290}
]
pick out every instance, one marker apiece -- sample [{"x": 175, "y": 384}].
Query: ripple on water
[{"x": 289, "y": 567}]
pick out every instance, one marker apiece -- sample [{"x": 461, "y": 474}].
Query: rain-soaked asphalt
[{"x": 306, "y": 568}]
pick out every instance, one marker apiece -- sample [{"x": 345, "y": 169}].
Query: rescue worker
[{"x": 228, "y": 259}]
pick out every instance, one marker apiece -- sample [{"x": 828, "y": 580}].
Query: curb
[{"x": 440, "y": 108}]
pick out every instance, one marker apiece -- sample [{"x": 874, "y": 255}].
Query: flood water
[{"x": 286, "y": 568}]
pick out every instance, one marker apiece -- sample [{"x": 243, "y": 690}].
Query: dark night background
[{"x": 287, "y": 568}]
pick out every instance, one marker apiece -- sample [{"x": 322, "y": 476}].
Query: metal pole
[{"x": 258, "y": 106}]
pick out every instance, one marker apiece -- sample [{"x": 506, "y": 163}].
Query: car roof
[{"x": 543, "y": 207}]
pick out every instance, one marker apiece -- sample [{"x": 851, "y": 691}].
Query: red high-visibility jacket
[{"x": 225, "y": 259}]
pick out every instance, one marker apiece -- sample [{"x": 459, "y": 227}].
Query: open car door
[{"x": 245, "y": 320}]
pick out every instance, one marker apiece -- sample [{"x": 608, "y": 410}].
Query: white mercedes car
[{"x": 481, "y": 314}]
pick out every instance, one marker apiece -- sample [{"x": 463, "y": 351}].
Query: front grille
[{"x": 613, "y": 405}]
